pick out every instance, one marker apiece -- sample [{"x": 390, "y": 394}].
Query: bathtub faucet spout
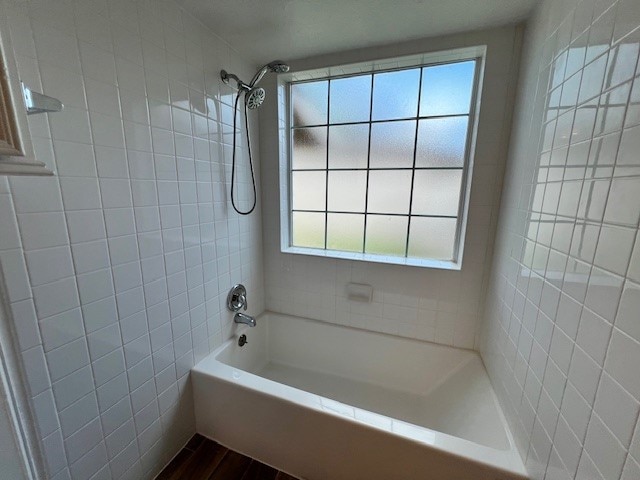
[{"x": 246, "y": 319}]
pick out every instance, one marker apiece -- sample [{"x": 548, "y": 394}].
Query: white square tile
[
  {"x": 120, "y": 438},
  {"x": 108, "y": 367},
  {"x": 104, "y": 341},
  {"x": 141, "y": 372},
  {"x": 36, "y": 194},
  {"x": 45, "y": 413},
  {"x": 627, "y": 317},
  {"x": 99, "y": 314},
  {"x": 593, "y": 335},
  {"x": 116, "y": 416},
  {"x": 103, "y": 98},
  {"x": 605, "y": 450},
  {"x": 86, "y": 226},
  {"x": 41, "y": 230},
  {"x": 141, "y": 165},
  {"x": 624, "y": 352},
  {"x": 631, "y": 469},
  {"x": 26, "y": 324},
  {"x": 73, "y": 387},
  {"x": 55, "y": 297},
  {"x": 53, "y": 450},
  {"x": 79, "y": 414},
  {"x": 107, "y": 130},
  {"x": 49, "y": 265},
  {"x": 72, "y": 125},
  {"x": 61, "y": 329},
  {"x": 35, "y": 368},
  {"x": 603, "y": 293},
  {"x": 89, "y": 465},
  {"x": 95, "y": 286},
  {"x": 584, "y": 373},
  {"x": 112, "y": 392},
  {"x": 90, "y": 256},
  {"x": 111, "y": 163},
  {"x": 66, "y": 359},
  {"x": 119, "y": 221},
  {"x": 616, "y": 408},
  {"x": 65, "y": 85},
  {"x": 80, "y": 193},
  {"x": 123, "y": 249},
  {"x": 130, "y": 302}
]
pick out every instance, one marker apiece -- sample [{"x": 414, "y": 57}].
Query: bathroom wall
[
  {"x": 561, "y": 336},
  {"x": 428, "y": 304},
  {"x": 117, "y": 267}
]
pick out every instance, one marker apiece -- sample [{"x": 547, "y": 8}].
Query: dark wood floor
[{"x": 203, "y": 459}]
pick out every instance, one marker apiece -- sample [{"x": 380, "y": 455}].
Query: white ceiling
[{"x": 265, "y": 30}]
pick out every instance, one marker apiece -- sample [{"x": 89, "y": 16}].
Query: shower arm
[{"x": 240, "y": 85}]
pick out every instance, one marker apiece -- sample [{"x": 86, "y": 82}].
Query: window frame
[
  {"x": 18, "y": 156},
  {"x": 285, "y": 115}
]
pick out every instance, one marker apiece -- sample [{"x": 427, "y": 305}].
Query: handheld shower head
[
  {"x": 276, "y": 66},
  {"x": 254, "y": 98}
]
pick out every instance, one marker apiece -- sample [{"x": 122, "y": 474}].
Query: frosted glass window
[
  {"x": 447, "y": 89},
  {"x": 432, "y": 238},
  {"x": 348, "y": 146},
  {"x": 347, "y": 191},
  {"x": 386, "y": 235},
  {"x": 345, "y": 232},
  {"x": 308, "y": 229},
  {"x": 379, "y": 160},
  {"x": 310, "y": 103},
  {"x": 392, "y": 144},
  {"x": 442, "y": 142},
  {"x": 389, "y": 191},
  {"x": 395, "y": 94},
  {"x": 436, "y": 192},
  {"x": 309, "y": 148},
  {"x": 350, "y": 99},
  {"x": 309, "y": 190}
]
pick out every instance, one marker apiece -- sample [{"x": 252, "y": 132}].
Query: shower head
[
  {"x": 276, "y": 66},
  {"x": 254, "y": 98}
]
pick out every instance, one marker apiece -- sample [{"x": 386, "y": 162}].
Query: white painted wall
[
  {"x": 117, "y": 268},
  {"x": 428, "y": 304},
  {"x": 561, "y": 338}
]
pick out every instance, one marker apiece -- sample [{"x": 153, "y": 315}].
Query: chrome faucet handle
[
  {"x": 237, "y": 298},
  {"x": 244, "y": 301}
]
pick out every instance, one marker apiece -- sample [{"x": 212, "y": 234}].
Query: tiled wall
[
  {"x": 428, "y": 304},
  {"x": 561, "y": 337},
  {"x": 117, "y": 268}
]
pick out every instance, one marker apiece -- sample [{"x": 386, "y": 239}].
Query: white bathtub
[{"x": 324, "y": 402}]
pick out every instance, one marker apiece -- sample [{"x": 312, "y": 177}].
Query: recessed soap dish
[{"x": 359, "y": 292}]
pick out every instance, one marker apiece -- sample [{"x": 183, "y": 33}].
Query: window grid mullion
[
  {"x": 326, "y": 175},
  {"x": 413, "y": 168},
  {"x": 303, "y": 210},
  {"x": 355, "y": 169},
  {"x": 366, "y": 191},
  {"x": 388, "y": 120}
]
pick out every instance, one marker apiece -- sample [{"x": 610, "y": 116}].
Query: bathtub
[{"x": 325, "y": 402}]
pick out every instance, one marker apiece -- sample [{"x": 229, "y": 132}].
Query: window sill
[
  {"x": 23, "y": 167},
  {"x": 373, "y": 258}
]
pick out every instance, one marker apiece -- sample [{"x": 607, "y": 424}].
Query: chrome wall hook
[{"x": 39, "y": 103}]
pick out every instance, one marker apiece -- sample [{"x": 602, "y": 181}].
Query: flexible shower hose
[{"x": 233, "y": 161}]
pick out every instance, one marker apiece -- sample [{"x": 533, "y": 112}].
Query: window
[{"x": 379, "y": 161}]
